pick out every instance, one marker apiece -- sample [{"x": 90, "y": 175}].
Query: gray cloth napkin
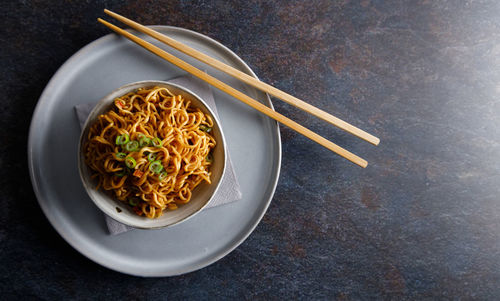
[{"x": 229, "y": 189}]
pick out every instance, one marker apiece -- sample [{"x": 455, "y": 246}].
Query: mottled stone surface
[{"x": 422, "y": 221}]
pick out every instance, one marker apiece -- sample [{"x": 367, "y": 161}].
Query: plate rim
[{"x": 45, "y": 97}]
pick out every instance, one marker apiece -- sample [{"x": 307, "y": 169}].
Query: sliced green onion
[
  {"x": 122, "y": 139},
  {"x": 120, "y": 155},
  {"x": 157, "y": 142},
  {"x": 151, "y": 157},
  {"x": 132, "y": 146},
  {"x": 210, "y": 158},
  {"x": 133, "y": 202},
  {"x": 156, "y": 167},
  {"x": 162, "y": 176},
  {"x": 144, "y": 141},
  {"x": 121, "y": 173},
  {"x": 205, "y": 128},
  {"x": 130, "y": 162}
]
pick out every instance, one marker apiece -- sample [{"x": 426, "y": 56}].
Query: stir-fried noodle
[{"x": 150, "y": 150}]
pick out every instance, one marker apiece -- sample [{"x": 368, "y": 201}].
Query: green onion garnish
[
  {"x": 162, "y": 176},
  {"x": 130, "y": 162},
  {"x": 151, "y": 157},
  {"x": 210, "y": 158},
  {"x": 157, "y": 142},
  {"x": 205, "y": 128},
  {"x": 121, "y": 173},
  {"x": 122, "y": 139},
  {"x": 133, "y": 202},
  {"x": 120, "y": 155},
  {"x": 144, "y": 141},
  {"x": 132, "y": 146},
  {"x": 156, "y": 166}
]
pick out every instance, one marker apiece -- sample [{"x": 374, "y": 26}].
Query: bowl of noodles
[{"x": 151, "y": 154}]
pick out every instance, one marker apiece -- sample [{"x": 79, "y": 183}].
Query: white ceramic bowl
[{"x": 202, "y": 194}]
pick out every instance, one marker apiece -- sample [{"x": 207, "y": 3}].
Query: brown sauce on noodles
[{"x": 150, "y": 150}]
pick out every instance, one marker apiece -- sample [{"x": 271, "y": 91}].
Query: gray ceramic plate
[{"x": 253, "y": 143}]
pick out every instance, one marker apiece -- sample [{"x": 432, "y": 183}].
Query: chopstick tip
[{"x": 102, "y": 21}]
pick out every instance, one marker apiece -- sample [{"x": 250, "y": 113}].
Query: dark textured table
[{"x": 422, "y": 221}]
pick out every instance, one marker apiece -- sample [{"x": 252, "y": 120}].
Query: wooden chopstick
[
  {"x": 247, "y": 79},
  {"x": 239, "y": 95}
]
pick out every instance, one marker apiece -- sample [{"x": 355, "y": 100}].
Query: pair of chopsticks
[{"x": 246, "y": 79}]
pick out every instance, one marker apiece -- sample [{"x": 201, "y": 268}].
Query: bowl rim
[{"x": 107, "y": 98}]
